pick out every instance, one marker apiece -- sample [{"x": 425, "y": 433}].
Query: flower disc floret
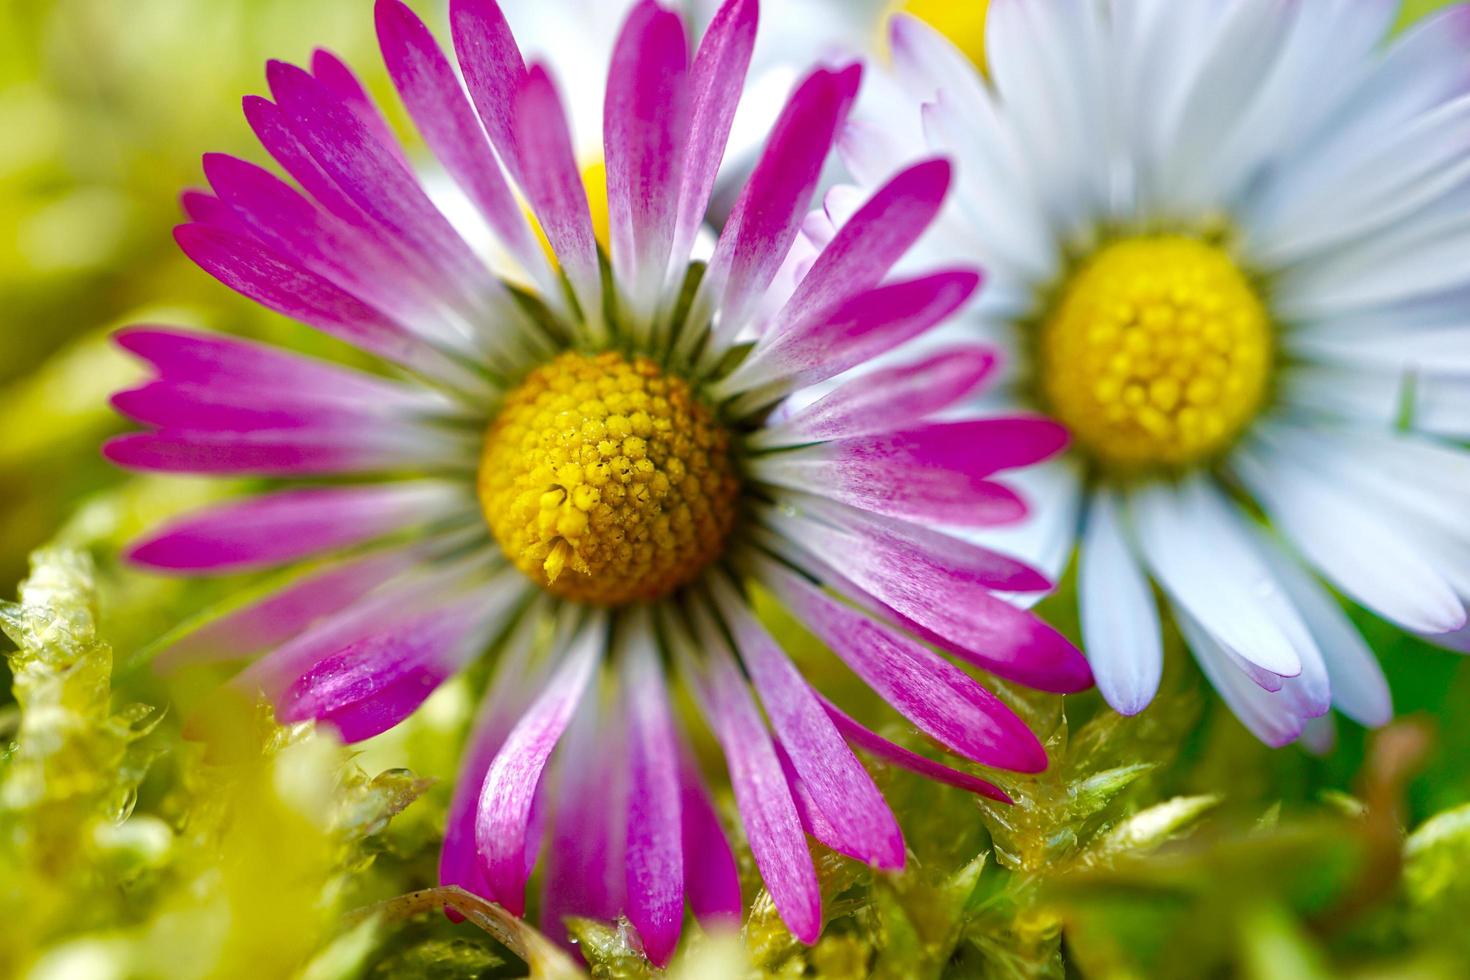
[
  {"x": 606, "y": 481},
  {"x": 1158, "y": 353}
]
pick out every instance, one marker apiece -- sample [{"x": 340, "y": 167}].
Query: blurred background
[{"x": 1171, "y": 844}]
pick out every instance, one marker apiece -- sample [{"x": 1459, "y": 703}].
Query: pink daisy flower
[{"x": 582, "y": 454}]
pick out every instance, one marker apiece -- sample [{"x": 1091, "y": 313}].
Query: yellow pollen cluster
[
  {"x": 1157, "y": 355},
  {"x": 605, "y": 481}
]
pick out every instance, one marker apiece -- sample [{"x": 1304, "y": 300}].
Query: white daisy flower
[{"x": 1228, "y": 244}]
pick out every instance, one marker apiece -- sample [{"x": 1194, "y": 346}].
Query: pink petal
[
  {"x": 856, "y": 331},
  {"x": 883, "y": 400},
  {"x": 202, "y": 408},
  {"x": 286, "y": 612},
  {"x": 655, "y": 862},
  {"x": 312, "y": 238},
  {"x": 980, "y": 447},
  {"x": 769, "y": 211},
  {"x": 333, "y": 73},
  {"x": 505, "y": 699},
  {"x": 711, "y": 877},
  {"x": 229, "y": 364},
  {"x": 646, "y": 122},
  {"x": 376, "y": 180},
  {"x": 276, "y": 135},
  {"x": 254, "y": 271},
  {"x": 436, "y": 101},
  {"x": 289, "y": 525},
  {"x": 273, "y": 130},
  {"x": 869, "y": 244},
  {"x": 373, "y": 684},
  {"x": 934, "y": 472},
  {"x": 932, "y": 559},
  {"x": 279, "y": 452},
  {"x": 493, "y": 70},
  {"x": 510, "y": 784},
  {"x": 767, "y": 810},
  {"x": 206, "y": 209},
  {"x": 813, "y": 820},
  {"x": 717, "y": 79},
  {"x": 863, "y": 825},
  {"x": 997, "y": 637},
  {"x": 585, "y": 874},
  {"x": 944, "y": 607},
  {"x": 553, "y": 185},
  {"x": 875, "y": 744},
  {"x": 372, "y": 614},
  {"x": 935, "y": 495},
  {"x": 942, "y": 700}
]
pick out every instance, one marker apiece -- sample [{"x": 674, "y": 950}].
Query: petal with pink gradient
[
  {"x": 553, "y": 184},
  {"x": 766, "y": 217},
  {"x": 876, "y": 745},
  {"x": 716, "y": 80},
  {"x": 290, "y": 525},
  {"x": 339, "y": 449},
  {"x": 584, "y": 873},
  {"x": 493, "y": 70},
  {"x": 866, "y": 247},
  {"x": 654, "y": 853},
  {"x": 234, "y": 365},
  {"x": 333, "y": 72},
  {"x": 285, "y": 611},
  {"x": 259, "y": 273},
  {"x": 942, "y": 700},
  {"x": 861, "y": 822},
  {"x": 984, "y": 630},
  {"x": 375, "y": 682},
  {"x": 505, "y": 699},
  {"x": 501, "y": 823},
  {"x": 645, "y": 122},
  {"x": 437, "y": 102},
  {"x": 886, "y": 399},
  {"x": 856, "y": 330},
  {"x": 711, "y": 876},
  {"x": 376, "y": 180},
  {"x": 767, "y": 811}
]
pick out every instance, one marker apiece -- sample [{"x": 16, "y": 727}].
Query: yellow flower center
[
  {"x": 962, "y": 21},
  {"x": 606, "y": 481},
  {"x": 1158, "y": 353}
]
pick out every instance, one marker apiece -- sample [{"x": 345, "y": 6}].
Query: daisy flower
[
  {"x": 583, "y": 479},
  {"x": 1227, "y": 246}
]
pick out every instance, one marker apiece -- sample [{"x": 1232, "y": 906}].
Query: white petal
[
  {"x": 926, "y": 62},
  {"x": 1267, "y": 715},
  {"x": 1120, "y": 622},
  {"x": 1411, "y": 260},
  {"x": 1013, "y": 238},
  {"x": 1188, "y": 537},
  {"x": 1359, "y": 689},
  {"x": 1430, "y": 350},
  {"x": 1245, "y": 51},
  {"x": 1353, "y": 545},
  {"x": 871, "y": 153},
  {"x": 1398, "y": 174},
  {"x": 1386, "y": 399}
]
